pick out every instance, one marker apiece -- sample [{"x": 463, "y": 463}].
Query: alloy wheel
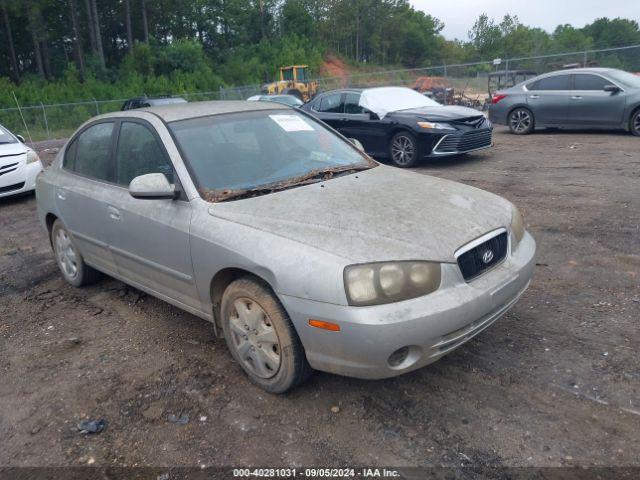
[
  {"x": 254, "y": 338},
  {"x": 403, "y": 150},
  {"x": 636, "y": 124},
  {"x": 67, "y": 255},
  {"x": 520, "y": 121}
]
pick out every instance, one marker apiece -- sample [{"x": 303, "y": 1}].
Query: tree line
[{"x": 168, "y": 45}]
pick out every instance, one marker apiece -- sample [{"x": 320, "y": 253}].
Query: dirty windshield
[
  {"x": 253, "y": 153},
  {"x": 6, "y": 137}
]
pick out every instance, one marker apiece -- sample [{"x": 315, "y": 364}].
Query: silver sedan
[
  {"x": 603, "y": 98},
  {"x": 302, "y": 251}
]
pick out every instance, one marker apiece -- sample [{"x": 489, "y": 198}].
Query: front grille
[
  {"x": 466, "y": 142},
  {"x": 8, "y": 168},
  {"x": 9, "y": 188},
  {"x": 475, "y": 122},
  {"x": 474, "y": 262}
]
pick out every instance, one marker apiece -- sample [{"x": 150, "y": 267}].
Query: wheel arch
[
  {"x": 219, "y": 283},
  {"x": 49, "y": 220},
  {"x": 632, "y": 112},
  {"x": 519, "y": 105}
]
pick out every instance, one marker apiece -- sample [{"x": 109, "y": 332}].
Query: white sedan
[{"x": 19, "y": 165}]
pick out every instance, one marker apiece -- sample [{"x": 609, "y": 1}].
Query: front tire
[
  {"x": 70, "y": 261},
  {"x": 261, "y": 337},
  {"x": 403, "y": 150},
  {"x": 521, "y": 121},
  {"x": 634, "y": 123}
]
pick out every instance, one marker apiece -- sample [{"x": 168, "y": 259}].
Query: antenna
[{"x": 22, "y": 116}]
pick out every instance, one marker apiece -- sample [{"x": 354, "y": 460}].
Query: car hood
[
  {"x": 7, "y": 149},
  {"x": 440, "y": 112},
  {"x": 379, "y": 214}
]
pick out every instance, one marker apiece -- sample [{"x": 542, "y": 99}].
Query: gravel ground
[{"x": 555, "y": 382}]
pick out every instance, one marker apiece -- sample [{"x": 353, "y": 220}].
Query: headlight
[
  {"x": 32, "y": 156},
  {"x": 378, "y": 283},
  {"x": 435, "y": 126},
  {"x": 517, "y": 226}
]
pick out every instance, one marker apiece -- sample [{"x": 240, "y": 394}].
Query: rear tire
[
  {"x": 261, "y": 337},
  {"x": 521, "y": 121},
  {"x": 403, "y": 150},
  {"x": 634, "y": 123},
  {"x": 70, "y": 261}
]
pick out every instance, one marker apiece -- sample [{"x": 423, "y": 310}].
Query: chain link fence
[{"x": 465, "y": 84}]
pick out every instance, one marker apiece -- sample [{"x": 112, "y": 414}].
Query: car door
[
  {"x": 150, "y": 243},
  {"x": 359, "y": 124},
  {"x": 590, "y": 105},
  {"x": 83, "y": 190},
  {"x": 330, "y": 109},
  {"x": 548, "y": 98}
]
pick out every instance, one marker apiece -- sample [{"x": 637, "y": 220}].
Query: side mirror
[
  {"x": 611, "y": 88},
  {"x": 357, "y": 144},
  {"x": 152, "y": 186},
  {"x": 373, "y": 116},
  {"x": 20, "y": 137}
]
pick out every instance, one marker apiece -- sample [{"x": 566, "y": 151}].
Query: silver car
[
  {"x": 302, "y": 251},
  {"x": 580, "y": 98}
]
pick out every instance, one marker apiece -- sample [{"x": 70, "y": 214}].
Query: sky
[{"x": 459, "y": 15}]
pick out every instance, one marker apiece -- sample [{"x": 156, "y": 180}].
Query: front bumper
[
  {"x": 431, "y": 326},
  {"x": 18, "y": 178},
  {"x": 462, "y": 142}
]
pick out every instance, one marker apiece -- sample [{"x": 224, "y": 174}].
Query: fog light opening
[{"x": 404, "y": 357}]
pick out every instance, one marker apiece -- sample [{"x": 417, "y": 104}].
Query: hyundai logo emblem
[{"x": 487, "y": 256}]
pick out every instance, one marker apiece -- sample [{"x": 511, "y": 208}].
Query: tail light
[{"x": 497, "y": 97}]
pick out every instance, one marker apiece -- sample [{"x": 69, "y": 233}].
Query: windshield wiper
[{"x": 313, "y": 176}]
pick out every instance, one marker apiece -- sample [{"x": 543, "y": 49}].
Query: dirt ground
[{"x": 554, "y": 382}]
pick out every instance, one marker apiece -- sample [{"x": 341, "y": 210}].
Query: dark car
[
  {"x": 401, "y": 124},
  {"x": 603, "y": 98},
  {"x": 143, "y": 102}
]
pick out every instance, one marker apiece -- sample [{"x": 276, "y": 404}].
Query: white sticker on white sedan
[{"x": 291, "y": 123}]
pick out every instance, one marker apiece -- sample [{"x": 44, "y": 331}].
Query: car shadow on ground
[{"x": 19, "y": 199}]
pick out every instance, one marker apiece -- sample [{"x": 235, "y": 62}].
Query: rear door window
[
  {"x": 92, "y": 152},
  {"x": 557, "y": 82}
]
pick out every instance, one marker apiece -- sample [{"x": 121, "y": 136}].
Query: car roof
[
  {"x": 343, "y": 90},
  {"x": 582, "y": 70},
  {"x": 183, "y": 111}
]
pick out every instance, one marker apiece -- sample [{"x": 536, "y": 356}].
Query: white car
[{"x": 19, "y": 165}]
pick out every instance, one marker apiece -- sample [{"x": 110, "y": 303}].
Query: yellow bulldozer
[{"x": 294, "y": 80}]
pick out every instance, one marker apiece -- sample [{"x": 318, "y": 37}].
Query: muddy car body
[{"x": 322, "y": 259}]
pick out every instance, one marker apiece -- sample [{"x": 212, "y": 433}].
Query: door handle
[
  {"x": 61, "y": 194},
  {"x": 534, "y": 96},
  {"x": 576, "y": 97},
  {"x": 114, "y": 213}
]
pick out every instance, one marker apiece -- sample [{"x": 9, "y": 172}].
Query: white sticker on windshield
[{"x": 291, "y": 123}]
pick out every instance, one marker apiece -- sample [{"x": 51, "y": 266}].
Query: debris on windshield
[{"x": 313, "y": 176}]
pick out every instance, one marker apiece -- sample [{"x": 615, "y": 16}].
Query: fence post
[
  {"x": 97, "y": 106},
  {"x": 46, "y": 123},
  {"x": 584, "y": 59}
]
